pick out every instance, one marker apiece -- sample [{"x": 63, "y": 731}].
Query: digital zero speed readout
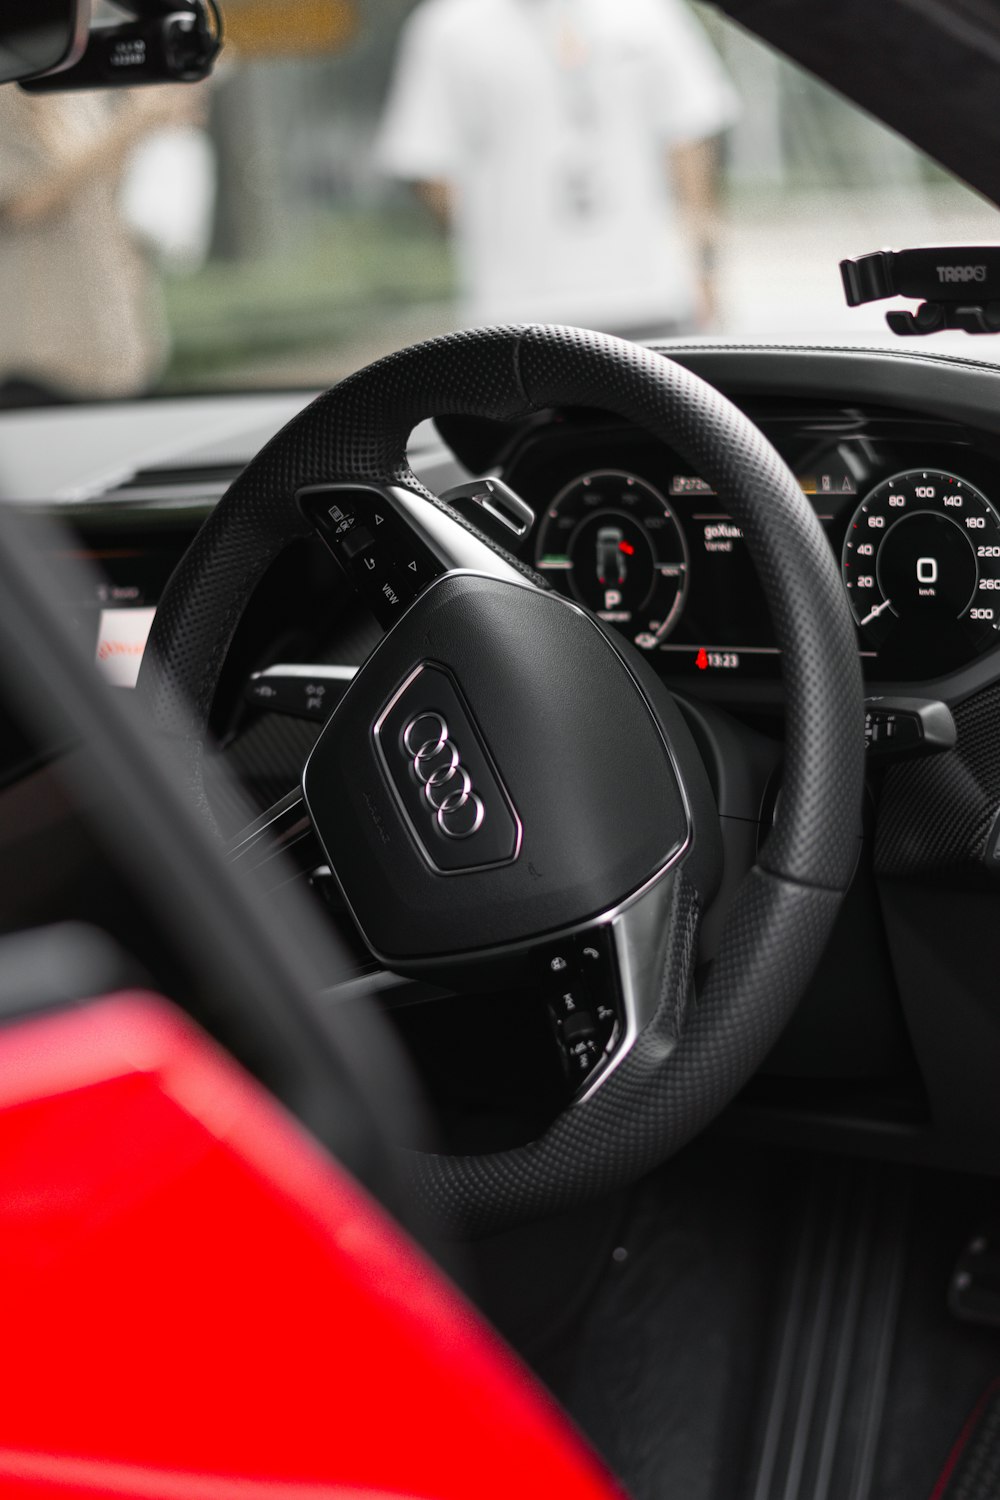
[
  {"x": 612, "y": 541},
  {"x": 922, "y": 558}
]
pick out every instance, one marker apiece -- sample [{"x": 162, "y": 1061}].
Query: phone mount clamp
[{"x": 958, "y": 287}]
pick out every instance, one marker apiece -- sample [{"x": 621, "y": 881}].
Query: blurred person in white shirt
[{"x": 571, "y": 148}]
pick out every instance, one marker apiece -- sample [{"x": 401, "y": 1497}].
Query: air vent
[{"x": 199, "y": 482}]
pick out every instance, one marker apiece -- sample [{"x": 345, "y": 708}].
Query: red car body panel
[{"x": 198, "y": 1302}]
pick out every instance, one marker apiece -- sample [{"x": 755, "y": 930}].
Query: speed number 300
[{"x": 924, "y": 547}]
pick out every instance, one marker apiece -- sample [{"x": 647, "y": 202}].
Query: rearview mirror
[{"x": 37, "y": 36}]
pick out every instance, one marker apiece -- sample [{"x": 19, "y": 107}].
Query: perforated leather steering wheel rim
[{"x": 698, "y": 1049}]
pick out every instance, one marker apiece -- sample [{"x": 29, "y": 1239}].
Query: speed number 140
[{"x": 924, "y": 546}]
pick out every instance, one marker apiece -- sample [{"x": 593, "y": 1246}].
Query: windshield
[{"x": 359, "y": 177}]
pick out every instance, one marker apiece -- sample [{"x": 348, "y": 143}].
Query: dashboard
[
  {"x": 626, "y": 528},
  {"x": 909, "y": 501},
  {"x": 898, "y": 454}
]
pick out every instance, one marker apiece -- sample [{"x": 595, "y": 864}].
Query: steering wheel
[{"x": 506, "y": 789}]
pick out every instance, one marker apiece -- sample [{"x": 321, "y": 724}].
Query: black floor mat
[
  {"x": 662, "y": 1374},
  {"x": 940, "y": 1366},
  {"x": 760, "y": 1325}
]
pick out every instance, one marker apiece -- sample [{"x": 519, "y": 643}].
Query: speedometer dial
[
  {"x": 921, "y": 562},
  {"x": 611, "y": 541}
]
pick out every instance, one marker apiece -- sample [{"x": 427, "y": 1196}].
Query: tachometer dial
[
  {"x": 921, "y": 561},
  {"x": 611, "y": 541}
]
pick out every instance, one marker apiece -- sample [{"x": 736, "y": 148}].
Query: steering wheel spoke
[
  {"x": 280, "y": 843},
  {"x": 605, "y": 984},
  {"x": 392, "y": 542}
]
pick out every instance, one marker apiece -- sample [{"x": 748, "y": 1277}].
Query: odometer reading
[{"x": 921, "y": 564}]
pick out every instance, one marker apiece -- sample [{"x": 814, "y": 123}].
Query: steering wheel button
[
  {"x": 580, "y": 1026},
  {"x": 338, "y": 520},
  {"x": 583, "y": 1056},
  {"x": 377, "y": 548},
  {"x": 359, "y": 539},
  {"x": 571, "y": 1002}
]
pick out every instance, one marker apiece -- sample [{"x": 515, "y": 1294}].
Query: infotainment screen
[
  {"x": 121, "y": 641},
  {"x": 115, "y": 615}
]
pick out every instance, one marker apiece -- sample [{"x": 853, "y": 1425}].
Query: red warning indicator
[{"x": 701, "y": 660}]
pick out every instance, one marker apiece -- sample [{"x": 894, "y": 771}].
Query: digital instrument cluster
[
  {"x": 620, "y": 550},
  {"x": 654, "y": 552}
]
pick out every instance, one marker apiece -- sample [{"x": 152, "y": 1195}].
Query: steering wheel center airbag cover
[{"x": 564, "y": 801}]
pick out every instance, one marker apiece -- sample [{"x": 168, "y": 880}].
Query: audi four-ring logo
[{"x": 437, "y": 765}]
